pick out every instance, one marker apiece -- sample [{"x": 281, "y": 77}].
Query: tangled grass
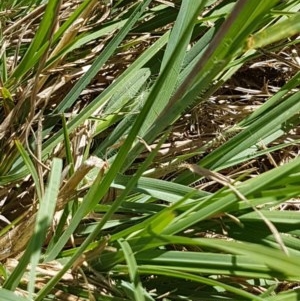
[{"x": 149, "y": 150}]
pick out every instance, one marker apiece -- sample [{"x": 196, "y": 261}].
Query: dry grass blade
[{"x": 15, "y": 241}]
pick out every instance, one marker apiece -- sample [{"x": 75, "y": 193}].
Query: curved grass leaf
[
  {"x": 157, "y": 270},
  {"x": 133, "y": 270}
]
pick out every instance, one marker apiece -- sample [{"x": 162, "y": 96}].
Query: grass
[{"x": 149, "y": 150}]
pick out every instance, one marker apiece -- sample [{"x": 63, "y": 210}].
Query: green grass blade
[
  {"x": 212, "y": 62},
  {"x": 42, "y": 35},
  {"x": 277, "y": 98},
  {"x": 285, "y": 296},
  {"x": 91, "y": 200},
  {"x": 100, "y": 61},
  {"x": 275, "y": 259},
  {"x": 214, "y": 205},
  {"x": 31, "y": 169},
  {"x": 83, "y": 39},
  {"x": 42, "y": 224},
  {"x": 124, "y": 79},
  {"x": 205, "y": 263},
  {"x": 160, "y": 189},
  {"x": 285, "y": 267},
  {"x": 44, "y": 220},
  {"x": 133, "y": 270},
  {"x": 157, "y": 270},
  {"x": 272, "y": 34},
  {"x": 172, "y": 60},
  {"x": 97, "y": 103},
  {"x": 10, "y": 296},
  {"x": 94, "y": 190},
  {"x": 260, "y": 129}
]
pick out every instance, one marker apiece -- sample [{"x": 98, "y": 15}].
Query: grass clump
[{"x": 149, "y": 150}]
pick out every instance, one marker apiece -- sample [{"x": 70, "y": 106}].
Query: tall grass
[{"x": 149, "y": 150}]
